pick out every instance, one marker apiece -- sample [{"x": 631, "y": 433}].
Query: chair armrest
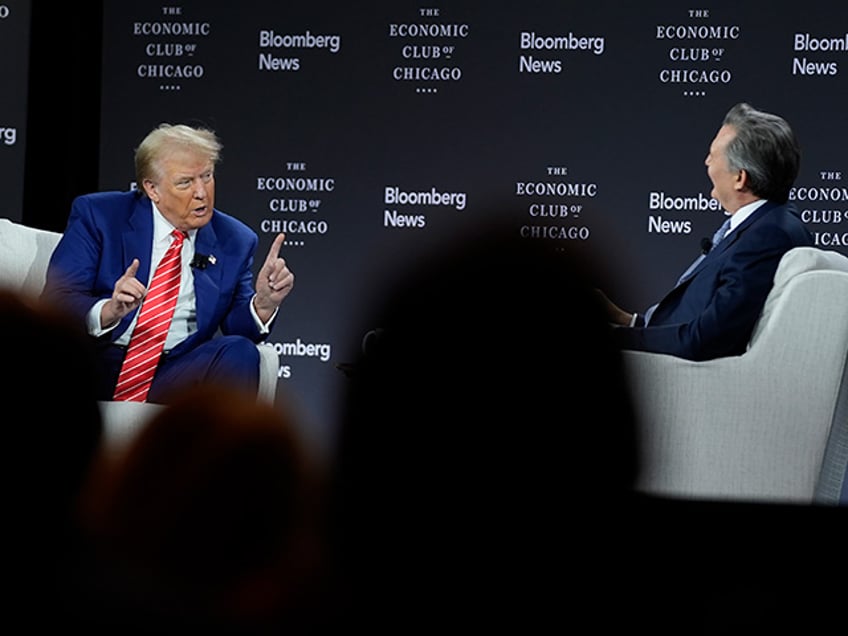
[
  {"x": 269, "y": 368},
  {"x": 122, "y": 421}
]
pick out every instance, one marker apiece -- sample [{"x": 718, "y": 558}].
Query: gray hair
[{"x": 766, "y": 148}]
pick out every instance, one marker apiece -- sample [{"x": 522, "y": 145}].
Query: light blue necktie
[
  {"x": 721, "y": 232},
  {"x": 717, "y": 237}
]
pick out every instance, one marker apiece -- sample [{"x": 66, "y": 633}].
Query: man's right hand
[
  {"x": 615, "y": 314},
  {"x": 127, "y": 296}
]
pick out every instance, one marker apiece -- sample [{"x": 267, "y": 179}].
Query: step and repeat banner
[
  {"x": 369, "y": 131},
  {"x": 14, "y": 70}
]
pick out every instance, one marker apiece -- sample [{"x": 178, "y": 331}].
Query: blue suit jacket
[
  {"x": 107, "y": 230},
  {"x": 712, "y": 312}
]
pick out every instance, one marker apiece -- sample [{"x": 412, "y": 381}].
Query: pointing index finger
[
  {"x": 132, "y": 269},
  {"x": 274, "y": 252}
]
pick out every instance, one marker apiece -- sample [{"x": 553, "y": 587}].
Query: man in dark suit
[
  {"x": 711, "y": 311},
  {"x": 102, "y": 267}
]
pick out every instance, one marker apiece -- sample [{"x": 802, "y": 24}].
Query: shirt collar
[
  {"x": 743, "y": 213},
  {"x": 162, "y": 228}
]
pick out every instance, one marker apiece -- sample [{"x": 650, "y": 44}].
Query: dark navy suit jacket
[
  {"x": 712, "y": 312},
  {"x": 107, "y": 230}
]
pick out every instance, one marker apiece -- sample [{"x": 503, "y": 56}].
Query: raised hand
[
  {"x": 126, "y": 296},
  {"x": 273, "y": 282}
]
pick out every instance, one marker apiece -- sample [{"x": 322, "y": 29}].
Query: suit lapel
[
  {"x": 734, "y": 236},
  {"x": 136, "y": 242},
  {"x": 759, "y": 213},
  {"x": 206, "y": 280},
  {"x": 138, "y": 238}
]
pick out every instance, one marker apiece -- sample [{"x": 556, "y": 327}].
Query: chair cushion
[
  {"x": 795, "y": 262},
  {"x": 24, "y": 256}
]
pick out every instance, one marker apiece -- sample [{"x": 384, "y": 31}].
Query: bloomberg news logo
[{"x": 666, "y": 203}]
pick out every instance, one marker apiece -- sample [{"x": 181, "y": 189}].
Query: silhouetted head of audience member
[
  {"x": 54, "y": 426},
  {"x": 52, "y": 432},
  {"x": 488, "y": 428},
  {"x": 204, "y": 521}
]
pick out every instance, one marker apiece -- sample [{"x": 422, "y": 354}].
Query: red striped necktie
[{"x": 154, "y": 318}]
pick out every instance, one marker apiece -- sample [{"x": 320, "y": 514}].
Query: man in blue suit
[
  {"x": 711, "y": 311},
  {"x": 103, "y": 265}
]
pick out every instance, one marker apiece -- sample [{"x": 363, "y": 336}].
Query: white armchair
[
  {"x": 768, "y": 425},
  {"x": 24, "y": 255}
]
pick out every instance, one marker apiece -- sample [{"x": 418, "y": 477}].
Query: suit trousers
[{"x": 224, "y": 360}]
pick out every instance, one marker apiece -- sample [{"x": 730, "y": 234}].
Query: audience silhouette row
[{"x": 482, "y": 478}]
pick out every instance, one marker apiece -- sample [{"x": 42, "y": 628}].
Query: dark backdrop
[
  {"x": 599, "y": 144},
  {"x": 63, "y": 115}
]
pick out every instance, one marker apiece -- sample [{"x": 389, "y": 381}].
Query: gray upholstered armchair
[
  {"x": 24, "y": 255},
  {"x": 769, "y": 425}
]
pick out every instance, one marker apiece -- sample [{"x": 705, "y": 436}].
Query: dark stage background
[{"x": 369, "y": 131}]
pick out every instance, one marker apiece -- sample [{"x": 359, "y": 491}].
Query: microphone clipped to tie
[{"x": 706, "y": 245}]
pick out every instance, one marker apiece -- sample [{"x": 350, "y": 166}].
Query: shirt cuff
[
  {"x": 92, "y": 320},
  {"x": 264, "y": 327}
]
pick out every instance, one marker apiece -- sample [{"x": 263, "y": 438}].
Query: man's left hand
[{"x": 274, "y": 281}]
